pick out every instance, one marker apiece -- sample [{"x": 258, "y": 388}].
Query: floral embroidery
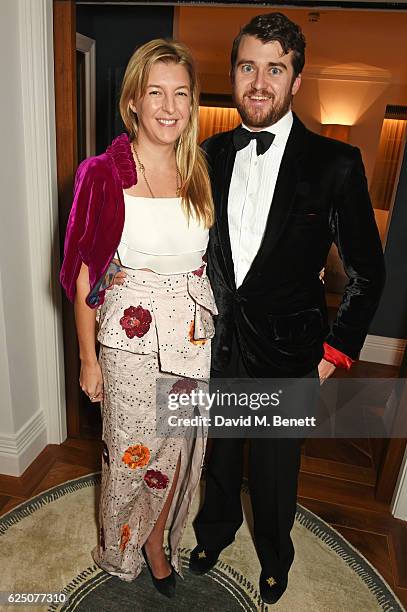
[
  {"x": 136, "y": 456},
  {"x": 199, "y": 271},
  {"x": 136, "y": 321},
  {"x": 191, "y": 335},
  {"x": 184, "y": 385},
  {"x": 102, "y": 538},
  {"x": 124, "y": 536},
  {"x": 105, "y": 453},
  {"x": 156, "y": 479}
]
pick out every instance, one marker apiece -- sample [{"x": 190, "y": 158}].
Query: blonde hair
[{"x": 196, "y": 188}]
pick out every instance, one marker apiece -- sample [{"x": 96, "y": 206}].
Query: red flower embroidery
[
  {"x": 124, "y": 536},
  {"x": 184, "y": 385},
  {"x": 199, "y": 271},
  {"x": 156, "y": 479},
  {"x": 136, "y": 321}
]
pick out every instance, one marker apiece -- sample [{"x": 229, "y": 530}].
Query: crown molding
[{"x": 347, "y": 73}]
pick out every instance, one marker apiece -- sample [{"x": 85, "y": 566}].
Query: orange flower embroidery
[
  {"x": 191, "y": 335},
  {"x": 136, "y": 456},
  {"x": 124, "y": 537}
]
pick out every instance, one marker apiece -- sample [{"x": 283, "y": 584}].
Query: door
[{"x": 83, "y": 418}]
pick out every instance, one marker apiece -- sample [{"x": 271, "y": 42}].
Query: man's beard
[{"x": 259, "y": 119}]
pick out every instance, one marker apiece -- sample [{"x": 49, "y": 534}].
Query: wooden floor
[{"x": 348, "y": 506}]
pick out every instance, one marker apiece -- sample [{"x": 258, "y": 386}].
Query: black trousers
[{"x": 273, "y": 474}]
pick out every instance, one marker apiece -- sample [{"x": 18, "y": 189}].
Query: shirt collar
[{"x": 281, "y": 129}]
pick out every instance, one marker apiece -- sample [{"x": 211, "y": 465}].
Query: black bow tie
[{"x": 242, "y": 137}]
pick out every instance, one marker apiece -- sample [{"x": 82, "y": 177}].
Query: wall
[
  {"x": 367, "y": 98},
  {"x": 391, "y": 317},
  {"x": 118, "y": 30},
  {"x": 370, "y": 99},
  {"x": 31, "y": 378},
  {"x": 20, "y": 399},
  {"x": 6, "y": 414},
  {"x": 365, "y": 104},
  {"x": 14, "y": 239}
]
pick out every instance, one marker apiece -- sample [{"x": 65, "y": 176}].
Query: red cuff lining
[{"x": 339, "y": 359}]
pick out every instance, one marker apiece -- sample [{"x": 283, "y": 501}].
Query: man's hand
[
  {"x": 325, "y": 370},
  {"x": 118, "y": 279},
  {"x": 321, "y": 275}
]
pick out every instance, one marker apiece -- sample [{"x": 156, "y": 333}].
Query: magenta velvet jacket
[{"x": 96, "y": 220}]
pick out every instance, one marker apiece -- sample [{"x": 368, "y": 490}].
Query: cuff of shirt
[{"x": 340, "y": 360}]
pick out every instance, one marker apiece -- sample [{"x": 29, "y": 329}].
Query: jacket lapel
[
  {"x": 283, "y": 197},
  {"x": 222, "y": 175}
]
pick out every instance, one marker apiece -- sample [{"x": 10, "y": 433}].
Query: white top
[
  {"x": 251, "y": 192},
  {"x": 157, "y": 236}
]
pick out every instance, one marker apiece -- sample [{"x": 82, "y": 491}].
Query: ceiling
[{"x": 367, "y": 44}]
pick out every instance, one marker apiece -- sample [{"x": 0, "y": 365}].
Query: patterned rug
[{"x": 46, "y": 543}]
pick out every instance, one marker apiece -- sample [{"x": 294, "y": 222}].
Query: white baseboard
[
  {"x": 18, "y": 451},
  {"x": 380, "y": 349},
  {"x": 399, "y": 504}
]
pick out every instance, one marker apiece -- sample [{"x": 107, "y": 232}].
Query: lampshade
[{"x": 336, "y": 131}]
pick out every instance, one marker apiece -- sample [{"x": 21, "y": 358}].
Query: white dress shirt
[{"x": 251, "y": 192}]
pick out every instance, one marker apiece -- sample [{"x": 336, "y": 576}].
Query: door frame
[
  {"x": 64, "y": 15},
  {"x": 87, "y": 46}
]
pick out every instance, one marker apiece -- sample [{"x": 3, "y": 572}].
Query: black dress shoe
[
  {"x": 202, "y": 560},
  {"x": 271, "y": 589},
  {"x": 165, "y": 586}
]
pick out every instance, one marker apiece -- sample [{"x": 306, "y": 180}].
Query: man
[{"x": 282, "y": 195}]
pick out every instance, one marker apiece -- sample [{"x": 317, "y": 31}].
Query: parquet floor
[{"x": 348, "y": 506}]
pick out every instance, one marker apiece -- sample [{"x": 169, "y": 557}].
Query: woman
[{"x": 144, "y": 204}]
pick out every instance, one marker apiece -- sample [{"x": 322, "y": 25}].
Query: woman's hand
[
  {"x": 90, "y": 378},
  {"x": 91, "y": 381}
]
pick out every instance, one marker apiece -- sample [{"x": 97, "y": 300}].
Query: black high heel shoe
[{"x": 165, "y": 586}]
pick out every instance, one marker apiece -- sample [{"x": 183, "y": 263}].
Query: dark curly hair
[{"x": 274, "y": 26}]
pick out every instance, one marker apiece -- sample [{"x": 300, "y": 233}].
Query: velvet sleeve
[
  {"x": 89, "y": 193},
  {"x": 359, "y": 246}
]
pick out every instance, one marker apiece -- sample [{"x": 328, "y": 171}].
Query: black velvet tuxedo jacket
[{"x": 279, "y": 312}]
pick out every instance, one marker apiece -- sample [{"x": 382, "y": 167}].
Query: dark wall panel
[
  {"x": 391, "y": 317},
  {"x": 118, "y": 30}
]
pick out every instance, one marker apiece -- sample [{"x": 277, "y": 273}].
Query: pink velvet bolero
[{"x": 96, "y": 220}]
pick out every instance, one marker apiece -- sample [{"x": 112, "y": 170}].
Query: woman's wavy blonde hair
[{"x": 196, "y": 189}]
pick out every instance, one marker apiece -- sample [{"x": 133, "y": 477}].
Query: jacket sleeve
[
  {"x": 359, "y": 246},
  {"x": 89, "y": 194}
]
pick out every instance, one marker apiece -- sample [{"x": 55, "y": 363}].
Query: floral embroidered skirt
[{"x": 153, "y": 326}]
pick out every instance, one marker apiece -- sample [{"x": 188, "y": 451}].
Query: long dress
[{"x": 152, "y": 326}]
